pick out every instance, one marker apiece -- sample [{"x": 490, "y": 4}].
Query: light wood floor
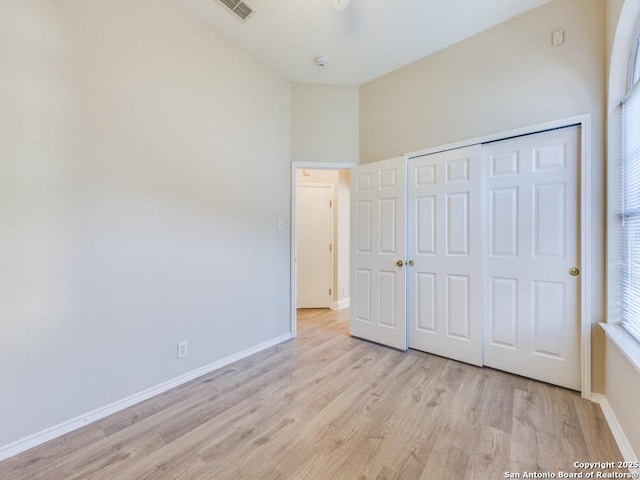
[{"x": 327, "y": 406}]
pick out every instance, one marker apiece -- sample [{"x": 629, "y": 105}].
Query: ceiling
[{"x": 366, "y": 40}]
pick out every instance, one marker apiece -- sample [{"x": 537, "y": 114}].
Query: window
[{"x": 630, "y": 226}]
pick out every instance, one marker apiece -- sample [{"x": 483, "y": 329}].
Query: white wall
[
  {"x": 144, "y": 165},
  {"x": 324, "y": 123},
  {"x": 324, "y": 129},
  {"x": 504, "y": 78}
]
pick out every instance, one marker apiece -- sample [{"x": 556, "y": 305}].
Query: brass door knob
[
  {"x": 411, "y": 263},
  {"x": 574, "y": 271},
  {"x": 399, "y": 263}
]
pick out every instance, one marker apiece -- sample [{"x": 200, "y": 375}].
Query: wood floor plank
[
  {"x": 329, "y": 406},
  {"x": 41, "y": 462}
]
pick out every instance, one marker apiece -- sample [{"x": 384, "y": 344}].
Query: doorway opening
[{"x": 320, "y": 233}]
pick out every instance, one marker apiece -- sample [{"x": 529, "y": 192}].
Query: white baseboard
[
  {"x": 618, "y": 434},
  {"x": 340, "y": 304},
  {"x": 39, "y": 438}
]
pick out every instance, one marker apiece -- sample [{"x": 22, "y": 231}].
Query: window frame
[{"x": 632, "y": 93}]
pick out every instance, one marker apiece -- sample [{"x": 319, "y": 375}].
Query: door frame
[
  {"x": 584, "y": 182},
  {"x": 295, "y": 166}
]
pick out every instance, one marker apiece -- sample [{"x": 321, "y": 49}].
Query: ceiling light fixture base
[{"x": 340, "y": 5}]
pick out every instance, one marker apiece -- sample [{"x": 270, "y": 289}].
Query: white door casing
[
  {"x": 532, "y": 307},
  {"x": 444, "y": 244},
  {"x": 314, "y": 250},
  {"x": 378, "y": 233}
]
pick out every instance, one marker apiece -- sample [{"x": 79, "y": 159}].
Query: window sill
[{"x": 628, "y": 345}]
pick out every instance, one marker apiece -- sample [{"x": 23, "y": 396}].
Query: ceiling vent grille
[{"x": 240, "y": 9}]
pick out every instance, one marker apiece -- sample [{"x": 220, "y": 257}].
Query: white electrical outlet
[{"x": 183, "y": 349}]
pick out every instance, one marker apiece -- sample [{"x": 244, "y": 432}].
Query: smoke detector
[{"x": 322, "y": 60}]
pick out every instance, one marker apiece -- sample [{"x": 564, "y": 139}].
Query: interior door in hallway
[
  {"x": 314, "y": 245},
  {"x": 444, "y": 245},
  {"x": 532, "y": 306},
  {"x": 378, "y": 233}
]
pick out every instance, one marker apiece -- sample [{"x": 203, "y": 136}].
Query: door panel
[
  {"x": 445, "y": 282},
  {"x": 378, "y": 202},
  {"x": 458, "y": 309},
  {"x": 503, "y": 311},
  {"x": 533, "y": 322},
  {"x": 503, "y": 205},
  {"x": 458, "y": 224}
]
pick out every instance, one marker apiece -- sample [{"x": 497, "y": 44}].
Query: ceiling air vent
[{"x": 238, "y": 8}]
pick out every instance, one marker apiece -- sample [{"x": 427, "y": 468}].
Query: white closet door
[
  {"x": 532, "y": 323},
  {"x": 314, "y": 250},
  {"x": 378, "y": 223},
  {"x": 445, "y": 280}
]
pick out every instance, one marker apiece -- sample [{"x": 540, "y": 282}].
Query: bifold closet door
[
  {"x": 378, "y": 248},
  {"x": 445, "y": 253},
  {"x": 532, "y": 283}
]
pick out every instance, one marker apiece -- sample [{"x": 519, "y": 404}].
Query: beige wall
[
  {"x": 144, "y": 166},
  {"x": 324, "y": 123},
  {"x": 622, "y": 390},
  {"x": 613, "y": 9},
  {"x": 504, "y": 78}
]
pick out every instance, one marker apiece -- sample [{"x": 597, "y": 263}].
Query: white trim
[
  {"x": 585, "y": 253},
  {"x": 294, "y": 287},
  {"x": 340, "y": 304},
  {"x": 618, "y": 434},
  {"x": 584, "y": 121},
  {"x": 39, "y": 438},
  {"x": 630, "y": 92},
  {"x": 540, "y": 127},
  {"x": 322, "y": 165}
]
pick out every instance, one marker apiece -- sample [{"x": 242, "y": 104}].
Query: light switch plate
[{"x": 557, "y": 38}]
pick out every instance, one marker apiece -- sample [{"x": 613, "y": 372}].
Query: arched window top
[{"x": 634, "y": 64}]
